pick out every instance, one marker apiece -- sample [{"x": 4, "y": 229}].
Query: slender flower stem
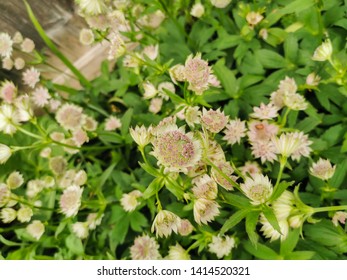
[
  {"x": 31, "y": 205},
  {"x": 283, "y": 161},
  {"x": 329, "y": 208},
  {"x": 29, "y": 133},
  {"x": 284, "y": 118}
]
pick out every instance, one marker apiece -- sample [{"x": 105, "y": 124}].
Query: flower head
[
  {"x": 155, "y": 105},
  {"x": 112, "y": 123},
  {"x": 177, "y": 253},
  {"x": 253, "y": 18},
  {"x": 197, "y": 10},
  {"x": 165, "y": 223},
  {"x": 36, "y": 229},
  {"x": 234, "y": 131},
  {"x": 145, "y": 248},
  {"x": 150, "y": 90},
  {"x": 70, "y": 201},
  {"x": 9, "y": 119},
  {"x": 339, "y": 217},
  {"x": 5, "y": 45},
  {"x": 8, "y": 91},
  {"x": 205, "y": 210},
  {"x": 19, "y": 63},
  {"x": 221, "y": 245},
  {"x": 265, "y": 150},
  {"x": 213, "y": 120},
  {"x": 70, "y": 116},
  {"x": 5, "y": 153},
  {"x": 24, "y": 214},
  {"x": 80, "y": 229},
  {"x": 129, "y": 201},
  {"x": 323, "y": 169},
  {"x": 117, "y": 46},
  {"x": 265, "y": 112},
  {"x": 323, "y": 52},
  {"x": 250, "y": 169},
  {"x": 185, "y": 227},
  {"x": 14, "y": 180},
  {"x": 257, "y": 188},
  {"x": 31, "y": 77},
  {"x": 270, "y": 232},
  {"x": 27, "y": 45},
  {"x": 5, "y": 194},
  {"x": 177, "y": 73},
  {"x": 8, "y": 215},
  {"x": 261, "y": 131},
  {"x": 151, "y": 51},
  {"x": 92, "y": 7},
  {"x": 86, "y": 36},
  {"x": 94, "y": 220},
  {"x": 220, "y": 3},
  {"x": 225, "y": 168},
  {"x": 141, "y": 135},
  {"x": 41, "y": 96},
  {"x": 205, "y": 187}
]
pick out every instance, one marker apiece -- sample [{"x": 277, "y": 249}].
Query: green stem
[
  {"x": 31, "y": 205},
  {"x": 284, "y": 119},
  {"x": 28, "y": 133},
  {"x": 159, "y": 206},
  {"x": 329, "y": 208},
  {"x": 283, "y": 161}
]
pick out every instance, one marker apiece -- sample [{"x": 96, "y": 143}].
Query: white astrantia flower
[
  {"x": 70, "y": 201},
  {"x": 165, "y": 86},
  {"x": 151, "y": 51},
  {"x": 177, "y": 73},
  {"x": 234, "y": 131},
  {"x": 5, "y": 153},
  {"x": 165, "y": 222},
  {"x": 80, "y": 229},
  {"x": 14, "y": 180},
  {"x": 197, "y": 10},
  {"x": 177, "y": 252},
  {"x": 224, "y": 167},
  {"x": 27, "y": 45},
  {"x": 286, "y": 144},
  {"x": 270, "y": 232},
  {"x": 145, "y": 248},
  {"x": 31, "y": 77},
  {"x": 9, "y": 119},
  {"x": 205, "y": 210},
  {"x": 220, "y": 3},
  {"x": 112, "y": 123},
  {"x": 221, "y": 245},
  {"x": 24, "y": 214},
  {"x": 19, "y": 63},
  {"x": 265, "y": 112},
  {"x": 24, "y": 107},
  {"x": 5, "y": 45},
  {"x": 214, "y": 120},
  {"x": 250, "y": 168},
  {"x": 150, "y": 90},
  {"x": 36, "y": 229},
  {"x": 174, "y": 149},
  {"x": 40, "y": 96},
  {"x": 313, "y": 79},
  {"x": 257, "y": 188},
  {"x": 204, "y": 187},
  {"x": 155, "y": 105},
  {"x": 129, "y": 201},
  {"x": 70, "y": 116},
  {"x": 94, "y": 220},
  {"x": 323, "y": 52},
  {"x": 322, "y": 169},
  {"x": 141, "y": 135},
  {"x": 5, "y": 194},
  {"x": 86, "y": 36},
  {"x": 295, "y": 102},
  {"x": 117, "y": 46},
  {"x": 283, "y": 206},
  {"x": 253, "y": 18},
  {"x": 192, "y": 115},
  {"x": 92, "y": 7},
  {"x": 8, "y": 91},
  {"x": 8, "y": 215},
  {"x": 339, "y": 217}
]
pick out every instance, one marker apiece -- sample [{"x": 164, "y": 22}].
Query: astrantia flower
[
  {"x": 322, "y": 169},
  {"x": 92, "y": 7},
  {"x": 31, "y": 77},
  {"x": 70, "y": 116},
  {"x": 24, "y": 214},
  {"x": 227, "y": 170},
  {"x": 36, "y": 229},
  {"x": 253, "y": 18},
  {"x": 165, "y": 223},
  {"x": 265, "y": 150},
  {"x": 205, "y": 210},
  {"x": 196, "y": 73},
  {"x": 9, "y": 119},
  {"x": 80, "y": 229},
  {"x": 141, "y": 135},
  {"x": 94, "y": 220},
  {"x": 70, "y": 201},
  {"x": 8, "y": 91},
  {"x": 323, "y": 52},
  {"x": 90, "y": 124},
  {"x": 177, "y": 253},
  {"x": 41, "y": 97},
  {"x": 34, "y": 187},
  {"x": 8, "y": 215},
  {"x": 7, "y": 63},
  {"x": 129, "y": 201},
  {"x": 234, "y": 131},
  {"x": 284, "y": 205},
  {"x": 257, "y": 188},
  {"x": 80, "y": 137},
  {"x": 5, "y": 194},
  {"x": 151, "y": 51},
  {"x": 5, "y": 153},
  {"x": 204, "y": 187},
  {"x": 155, "y": 105},
  {"x": 24, "y": 108},
  {"x": 86, "y": 36},
  {"x": 213, "y": 120},
  {"x": 265, "y": 112},
  {"x": 152, "y": 20},
  {"x": 270, "y": 232},
  {"x": 19, "y": 63},
  {"x": 296, "y": 221},
  {"x": 175, "y": 149},
  {"x": 220, "y": 3},
  {"x": 177, "y": 73},
  {"x": 261, "y": 131},
  {"x": 14, "y": 180},
  {"x": 27, "y": 45},
  {"x": 339, "y": 217},
  {"x": 288, "y": 86},
  {"x": 17, "y": 38},
  {"x": 185, "y": 228},
  {"x": 150, "y": 90},
  {"x": 286, "y": 144},
  {"x": 117, "y": 46},
  {"x": 250, "y": 169},
  {"x": 197, "y": 10},
  {"x": 5, "y": 45},
  {"x": 221, "y": 245},
  {"x": 112, "y": 123},
  {"x": 313, "y": 79},
  {"x": 145, "y": 248},
  {"x": 295, "y": 102},
  {"x": 57, "y": 165}
]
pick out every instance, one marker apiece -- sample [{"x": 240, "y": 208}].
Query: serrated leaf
[
  {"x": 234, "y": 220},
  {"x": 137, "y": 221}
]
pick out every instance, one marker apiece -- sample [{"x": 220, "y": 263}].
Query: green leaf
[
  {"x": 118, "y": 233},
  {"x": 110, "y": 137},
  {"x": 289, "y": 244},
  {"x": 226, "y": 42},
  {"x": 270, "y": 216},
  {"x": 251, "y": 223},
  {"x": 74, "y": 244},
  {"x": 149, "y": 169},
  {"x": 174, "y": 188},
  {"x": 236, "y": 200},
  {"x": 280, "y": 189},
  {"x": 138, "y": 221},
  {"x": 226, "y": 77},
  {"x": 261, "y": 251},
  {"x": 270, "y": 59},
  {"x": 104, "y": 177},
  {"x": 153, "y": 188},
  {"x": 8, "y": 242},
  {"x": 300, "y": 255},
  {"x": 291, "y": 47},
  {"x": 174, "y": 97},
  {"x": 340, "y": 174},
  {"x": 126, "y": 120},
  {"x": 234, "y": 220},
  {"x": 308, "y": 124}
]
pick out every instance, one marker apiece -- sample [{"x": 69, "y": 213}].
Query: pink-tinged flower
[
  {"x": 5, "y": 192},
  {"x": 8, "y": 91},
  {"x": 80, "y": 229},
  {"x": 264, "y": 34},
  {"x": 19, "y": 63},
  {"x": 150, "y": 90},
  {"x": 70, "y": 116},
  {"x": 213, "y": 120},
  {"x": 72, "y": 147},
  {"x": 204, "y": 187},
  {"x": 221, "y": 246},
  {"x": 212, "y": 149},
  {"x": 31, "y": 77},
  {"x": 234, "y": 131},
  {"x": 322, "y": 169},
  {"x": 151, "y": 51},
  {"x": 197, "y": 10},
  {"x": 14, "y": 180},
  {"x": 100, "y": 22},
  {"x": 129, "y": 201},
  {"x": 117, "y": 46},
  {"x": 185, "y": 227},
  {"x": 165, "y": 222},
  {"x": 277, "y": 99},
  {"x": 261, "y": 131},
  {"x": 17, "y": 38},
  {"x": 288, "y": 86},
  {"x": 175, "y": 149},
  {"x": 196, "y": 73},
  {"x": 57, "y": 165},
  {"x": 24, "y": 107},
  {"x": 5, "y": 45},
  {"x": 313, "y": 79},
  {"x": 80, "y": 136},
  {"x": 224, "y": 167},
  {"x": 265, "y": 112},
  {"x": 9, "y": 119},
  {"x": 339, "y": 217},
  {"x": 86, "y": 36},
  {"x": 90, "y": 124},
  {"x": 257, "y": 188},
  {"x": 53, "y": 105},
  {"x": 27, "y": 45},
  {"x": 112, "y": 123},
  {"x": 152, "y": 20},
  {"x": 70, "y": 201},
  {"x": 94, "y": 220},
  {"x": 7, "y": 63},
  {"x": 220, "y": 3},
  {"x": 155, "y": 105},
  {"x": 213, "y": 81},
  {"x": 250, "y": 169},
  {"x": 145, "y": 248},
  {"x": 36, "y": 229},
  {"x": 177, "y": 253},
  {"x": 41, "y": 96},
  {"x": 253, "y": 18},
  {"x": 323, "y": 52},
  {"x": 205, "y": 210},
  {"x": 270, "y": 232},
  {"x": 265, "y": 150},
  {"x": 177, "y": 73}
]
